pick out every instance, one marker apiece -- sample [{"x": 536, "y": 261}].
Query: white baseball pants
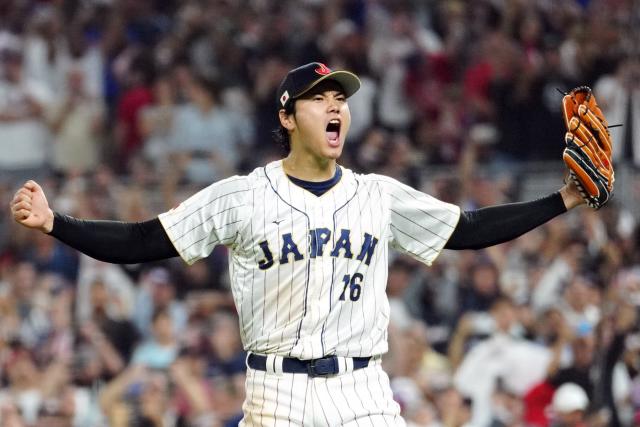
[{"x": 360, "y": 398}]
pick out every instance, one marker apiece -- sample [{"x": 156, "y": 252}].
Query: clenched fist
[{"x": 30, "y": 208}]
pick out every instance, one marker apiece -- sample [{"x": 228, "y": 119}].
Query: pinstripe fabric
[
  {"x": 308, "y": 277},
  {"x": 308, "y": 274},
  {"x": 360, "y": 398}
]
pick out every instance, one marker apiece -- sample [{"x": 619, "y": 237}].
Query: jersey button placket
[
  {"x": 308, "y": 338},
  {"x": 316, "y": 277},
  {"x": 322, "y": 276}
]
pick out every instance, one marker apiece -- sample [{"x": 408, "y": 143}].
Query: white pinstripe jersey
[{"x": 308, "y": 274}]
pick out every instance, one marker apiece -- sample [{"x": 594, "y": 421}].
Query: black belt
[{"x": 322, "y": 367}]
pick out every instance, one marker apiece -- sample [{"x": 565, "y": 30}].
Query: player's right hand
[{"x": 30, "y": 208}]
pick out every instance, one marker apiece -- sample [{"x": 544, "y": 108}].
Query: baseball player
[{"x": 309, "y": 243}]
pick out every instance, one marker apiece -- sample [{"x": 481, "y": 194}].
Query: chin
[{"x": 334, "y": 153}]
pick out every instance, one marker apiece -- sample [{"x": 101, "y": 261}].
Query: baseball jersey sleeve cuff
[{"x": 172, "y": 237}]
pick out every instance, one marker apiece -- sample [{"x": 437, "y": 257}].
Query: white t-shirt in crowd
[{"x": 25, "y": 142}]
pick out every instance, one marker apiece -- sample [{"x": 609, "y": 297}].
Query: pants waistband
[{"x": 323, "y": 367}]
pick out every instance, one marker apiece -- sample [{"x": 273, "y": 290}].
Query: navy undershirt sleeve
[
  {"x": 136, "y": 242},
  {"x": 115, "y": 241},
  {"x": 490, "y": 226}
]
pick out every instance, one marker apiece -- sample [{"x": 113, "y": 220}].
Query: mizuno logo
[{"x": 278, "y": 221}]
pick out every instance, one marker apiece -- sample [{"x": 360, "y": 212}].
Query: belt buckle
[{"x": 323, "y": 367}]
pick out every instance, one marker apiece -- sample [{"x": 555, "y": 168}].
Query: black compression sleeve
[
  {"x": 486, "y": 227},
  {"x": 115, "y": 241}
]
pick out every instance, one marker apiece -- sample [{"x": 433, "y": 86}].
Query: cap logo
[
  {"x": 284, "y": 98},
  {"x": 323, "y": 70}
]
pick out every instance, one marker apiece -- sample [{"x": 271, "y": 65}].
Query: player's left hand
[{"x": 571, "y": 195}]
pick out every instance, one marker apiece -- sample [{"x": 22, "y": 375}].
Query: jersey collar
[{"x": 302, "y": 199}]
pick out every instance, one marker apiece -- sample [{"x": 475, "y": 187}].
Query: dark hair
[
  {"x": 159, "y": 312},
  {"x": 144, "y": 65},
  {"x": 208, "y": 84},
  {"x": 281, "y": 134}
]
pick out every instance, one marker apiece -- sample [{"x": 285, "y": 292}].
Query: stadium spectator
[
  {"x": 206, "y": 138},
  {"x": 619, "y": 92},
  {"x": 156, "y": 293},
  {"x": 76, "y": 122},
  {"x": 23, "y": 102},
  {"x": 156, "y": 123},
  {"x": 161, "y": 348},
  {"x": 137, "y": 79},
  {"x": 569, "y": 405}
]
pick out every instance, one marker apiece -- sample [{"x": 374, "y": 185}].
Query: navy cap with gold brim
[{"x": 300, "y": 80}]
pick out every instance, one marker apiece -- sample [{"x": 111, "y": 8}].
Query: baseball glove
[{"x": 588, "y": 147}]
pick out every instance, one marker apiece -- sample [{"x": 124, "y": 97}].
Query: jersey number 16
[{"x": 353, "y": 283}]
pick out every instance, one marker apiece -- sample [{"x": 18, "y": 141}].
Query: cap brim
[{"x": 350, "y": 82}]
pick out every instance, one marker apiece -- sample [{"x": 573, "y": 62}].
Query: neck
[
  {"x": 204, "y": 105},
  {"x": 165, "y": 341},
  {"x": 309, "y": 168}
]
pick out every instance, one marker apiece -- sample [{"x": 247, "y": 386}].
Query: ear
[{"x": 287, "y": 121}]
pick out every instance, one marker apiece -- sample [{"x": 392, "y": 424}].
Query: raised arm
[
  {"x": 492, "y": 225},
  {"x": 110, "y": 241}
]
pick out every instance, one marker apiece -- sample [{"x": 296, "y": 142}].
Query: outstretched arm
[
  {"x": 110, "y": 241},
  {"x": 490, "y": 226}
]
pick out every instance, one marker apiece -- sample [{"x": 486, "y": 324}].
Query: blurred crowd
[{"x": 123, "y": 108}]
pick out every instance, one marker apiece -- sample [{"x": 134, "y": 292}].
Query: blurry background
[{"x": 123, "y": 108}]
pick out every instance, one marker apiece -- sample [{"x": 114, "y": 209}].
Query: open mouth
[{"x": 333, "y": 131}]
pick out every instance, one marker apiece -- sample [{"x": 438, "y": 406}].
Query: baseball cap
[
  {"x": 569, "y": 397},
  {"x": 300, "y": 80}
]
